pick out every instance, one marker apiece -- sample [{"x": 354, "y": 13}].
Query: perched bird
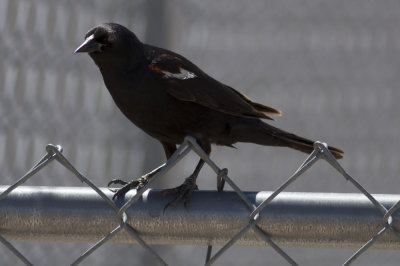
[{"x": 169, "y": 97}]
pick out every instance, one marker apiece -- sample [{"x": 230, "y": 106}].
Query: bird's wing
[{"x": 186, "y": 82}]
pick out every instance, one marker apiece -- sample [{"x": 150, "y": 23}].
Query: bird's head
[{"x": 111, "y": 44}]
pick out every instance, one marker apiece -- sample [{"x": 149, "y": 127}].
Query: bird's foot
[
  {"x": 134, "y": 184},
  {"x": 184, "y": 192}
]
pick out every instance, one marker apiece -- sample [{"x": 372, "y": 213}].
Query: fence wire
[{"x": 190, "y": 144}]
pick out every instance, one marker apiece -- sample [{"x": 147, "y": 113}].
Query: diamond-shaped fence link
[
  {"x": 190, "y": 144},
  {"x": 54, "y": 152}
]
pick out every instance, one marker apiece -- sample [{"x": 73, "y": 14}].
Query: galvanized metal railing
[{"x": 275, "y": 219}]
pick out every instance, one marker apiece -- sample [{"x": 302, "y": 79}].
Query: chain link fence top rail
[
  {"x": 330, "y": 66},
  {"x": 320, "y": 151}
]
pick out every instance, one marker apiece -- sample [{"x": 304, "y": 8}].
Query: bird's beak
[{"x": 89, "y": 45}]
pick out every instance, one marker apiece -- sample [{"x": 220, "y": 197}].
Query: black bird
[{"x": 169, "y": 97}]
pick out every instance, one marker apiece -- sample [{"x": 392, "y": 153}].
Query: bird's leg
[
  {"x": 134, "y": 184},
  {"x": 169, "y": 150},
  {"x": 184, "y": 191}
]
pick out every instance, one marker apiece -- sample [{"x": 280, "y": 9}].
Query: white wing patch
[{"x": 183, "y": 74}]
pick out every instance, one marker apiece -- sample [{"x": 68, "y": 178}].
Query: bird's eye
[{"x": 103, "y": 40}]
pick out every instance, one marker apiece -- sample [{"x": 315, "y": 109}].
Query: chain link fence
[
  {"x": 331, "y": 67},
  {"x": 320, "y": 151}
]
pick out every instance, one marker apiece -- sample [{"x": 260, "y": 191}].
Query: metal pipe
[{"x": 292, "y": 219}]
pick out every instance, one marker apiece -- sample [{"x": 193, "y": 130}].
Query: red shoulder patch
[
  {"x": 182, "y": 74},
  {"x": 157, "y": 69}
]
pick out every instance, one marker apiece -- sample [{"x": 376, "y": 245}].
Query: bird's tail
[{"x": 256, "y": 131}]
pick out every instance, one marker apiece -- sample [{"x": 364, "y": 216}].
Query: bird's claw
[
  {"x": 134, "y": 184},
  {"x": 117, "y": 181},
  {"x": 184, "y": 192}
]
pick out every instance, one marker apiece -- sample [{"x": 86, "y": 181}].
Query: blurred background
[{"x": 332, "y": 67}]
